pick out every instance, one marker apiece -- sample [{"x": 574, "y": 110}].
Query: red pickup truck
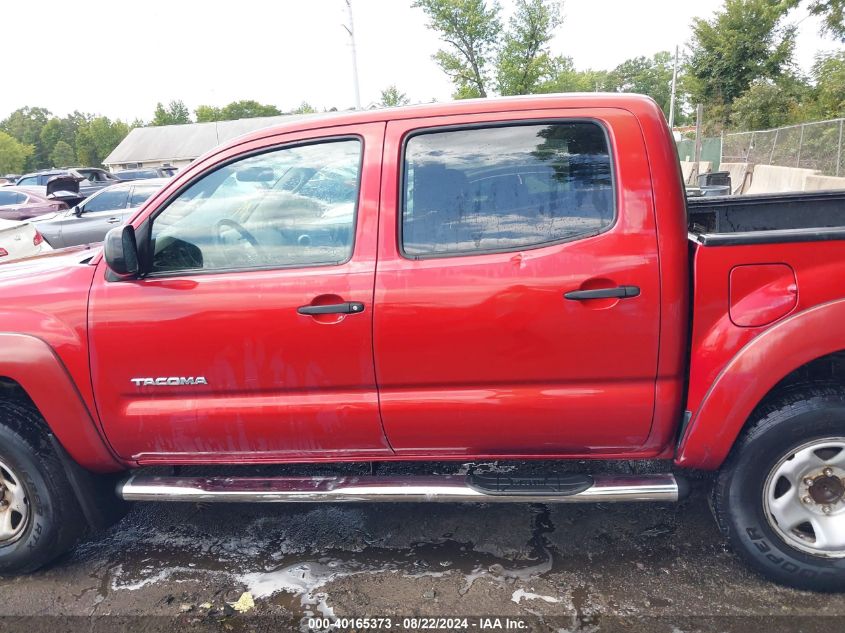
[{"x": 503, "y": 279}]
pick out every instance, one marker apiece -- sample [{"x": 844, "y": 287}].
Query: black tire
[
  {"x": 54, "y": 522},
  {"x": 786, "y": 422}
]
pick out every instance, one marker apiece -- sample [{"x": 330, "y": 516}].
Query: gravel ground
[{"x": 637, "y": 567}]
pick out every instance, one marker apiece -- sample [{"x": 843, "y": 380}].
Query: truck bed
[{"x": 768, "y": 218}]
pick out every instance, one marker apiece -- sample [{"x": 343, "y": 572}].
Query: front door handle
[
  {"x": 619, "y": 292},
  {"x": 348, "y": 307}
]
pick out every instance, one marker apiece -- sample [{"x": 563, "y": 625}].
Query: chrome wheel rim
[
  {"x": 14, "y": 506},
  {"x": 804, "y": 497}
]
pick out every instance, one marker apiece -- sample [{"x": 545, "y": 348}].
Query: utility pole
[
  {"x": 674, "y": 84},
  {"x": 351, "y": 30}
]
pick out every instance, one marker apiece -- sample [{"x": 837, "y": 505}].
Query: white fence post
[{"x": 800, "y": 143}]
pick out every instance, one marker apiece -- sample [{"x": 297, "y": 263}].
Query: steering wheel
[
  {"x": 256, "y": 254},
  {"x": 227, "y": 223}
]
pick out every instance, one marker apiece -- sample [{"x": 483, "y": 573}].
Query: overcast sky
[{"x": 119, "y": 58}]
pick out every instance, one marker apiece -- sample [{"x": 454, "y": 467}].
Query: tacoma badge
[{"x": 172, "y": 381}]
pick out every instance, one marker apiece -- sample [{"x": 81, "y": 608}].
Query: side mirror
[
  {"x": 121, "y": 251},
  {"x": 78, "y": 210}
]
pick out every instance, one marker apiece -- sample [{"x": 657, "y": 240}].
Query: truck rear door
[{"x": 517, "y": 288}]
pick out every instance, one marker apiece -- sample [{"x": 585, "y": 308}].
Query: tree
[
  {"x": 13, "y": 154},
  {"x": 471, "y": 30},
  {"x": 175, "y": 113},
  {"x": 96, "y": 139},
  {"x": 206, "y": 114},
  {"x": 304, "y": 108},
  {"x": 742, "y": 43},
  {"x": 650, "y": 76},
  {"x": 524, "y": 60},
  {"x": 25, "y": 125},
  {"x": 63, "y": 155},
  {"x": 832, "y": 13},
  {"x": 565, "y": 78},
  {"x": 764, "y": 105},
  {"x": 391, "y": 97},
  {"x": 829, "y": 95},
  {"x": 248, "y": 110}
]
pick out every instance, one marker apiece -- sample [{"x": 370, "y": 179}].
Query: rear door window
[
  {"x": 470, "y": 191},
  {"x": 140, "y": 195},
  {"x": 109, "y": 200}
]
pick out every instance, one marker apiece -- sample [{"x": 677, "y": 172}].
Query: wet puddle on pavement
[{"x": 289, "y": 560}]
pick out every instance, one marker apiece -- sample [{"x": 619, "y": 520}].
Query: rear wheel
[{"x": 780, "y": 497}]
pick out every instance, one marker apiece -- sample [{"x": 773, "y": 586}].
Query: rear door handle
[
  {"x": 113, "y": 220},
  {"x": 619, "y": 292},
  {"x": 348, "y": 307}
]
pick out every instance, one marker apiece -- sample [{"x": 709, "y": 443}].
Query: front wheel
[
  {"x": 39, "y": 516},
  {"x": 780, "y": 497}
]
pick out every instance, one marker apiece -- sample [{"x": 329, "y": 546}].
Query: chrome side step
[{"x": 455, "y": 488}]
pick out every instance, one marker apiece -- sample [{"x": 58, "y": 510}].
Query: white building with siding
[{"x": 178, "y": 145}]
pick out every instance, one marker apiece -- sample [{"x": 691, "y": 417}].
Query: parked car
[
  {"x": 8, "y": 179},
  {"x": 91, "y": 178},
  {"x": 18, "y": 240},
  {"x": 20, "y": 203},
  {"x": 515, "y": 279},
  {"x": 146, "y": 173},
  {"x": 90, "y": 220}
]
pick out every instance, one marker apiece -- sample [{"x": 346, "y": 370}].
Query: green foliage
[
  {"x": 63, "y": 155},
  {"x": 742, "y": 43},
  {"x": 391, "y": 97},
  {"x": 833, "y": 12},
  {"x": 25, "y": 125},
  {"x": 175, "y": 113},
  {"x": 565, "y": 78},
  {"x": 650, "y": 76},
  {"x": 13, "y": 154},
  {"x": 471, "y": 30},
  {"x": 524, "y": 60},
  {"x": 206, "y": 114},
  {"x": 763, "y": 106},
  {"x": 304, "y": 108},
  {"x": 59, "y": 142},
  {"x": 829, "y": 75},
  {"x": 97, "y": 138},
  {"x": 246, "y": 109}
]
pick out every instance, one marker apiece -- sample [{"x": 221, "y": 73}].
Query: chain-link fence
[{"x": 809, "y": 145}]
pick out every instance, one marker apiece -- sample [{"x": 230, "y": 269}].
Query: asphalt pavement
[{"x": 239, "y": 567}]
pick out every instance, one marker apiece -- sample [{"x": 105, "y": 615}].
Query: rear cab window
[{"x": 504, "y": 187}]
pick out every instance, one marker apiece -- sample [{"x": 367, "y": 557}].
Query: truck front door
[
  {"x": 517, "y": 288},
  {"x": 249, "y": 338}
]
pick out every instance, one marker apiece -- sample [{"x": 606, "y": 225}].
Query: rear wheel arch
[{"x": 802, "y": 349}]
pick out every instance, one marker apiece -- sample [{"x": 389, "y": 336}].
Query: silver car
[{"x": 90, "y": 220}]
